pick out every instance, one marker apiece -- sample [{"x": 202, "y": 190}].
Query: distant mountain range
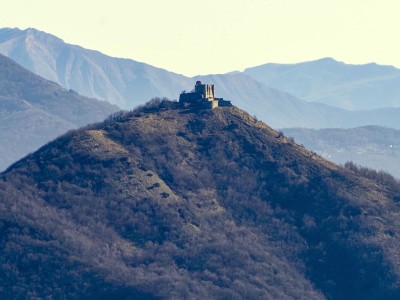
[
  {"x": 121, "y": 81},
  {"x": 128, "y": 83},
  {"x": 353, "y": 87},
  {"x": 34, "y": 111},
  {"x": 172, "y": 203},
  {"x": 370, "y": 146}
]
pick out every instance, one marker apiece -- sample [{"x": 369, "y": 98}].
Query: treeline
[{"x": 380, "y": 177}]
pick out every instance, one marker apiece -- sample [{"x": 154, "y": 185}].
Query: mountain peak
[
  {"x": 31, "y": 30},
  {"x": 326, "y": 60},
  {"x": 48, "y": 39}
]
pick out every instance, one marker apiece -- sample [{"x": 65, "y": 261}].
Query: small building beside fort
[{"x": 203, "y": 96}]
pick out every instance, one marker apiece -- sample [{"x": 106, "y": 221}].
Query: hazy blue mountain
[
  {"x": 370, "y": 146},
  {"x": 124, "y": 82},
  {"x": 129, "y": 83},
  {"x": 34, "y": 111},
  {"x": 355, "y": 87}
]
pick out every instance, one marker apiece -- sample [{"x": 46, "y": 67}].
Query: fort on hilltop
[{"x": 203, "y": 96}]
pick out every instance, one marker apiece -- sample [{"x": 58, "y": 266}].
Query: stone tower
[{"x": 207, "y": 90}]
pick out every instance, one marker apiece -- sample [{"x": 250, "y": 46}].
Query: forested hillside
[{"x": 163, "y": 202}]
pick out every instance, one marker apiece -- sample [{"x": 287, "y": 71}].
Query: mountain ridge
[
  {"x": 347, "y": 86},
  {"x": 66, "y": 59},
  {"x": 129, "y": 83}
]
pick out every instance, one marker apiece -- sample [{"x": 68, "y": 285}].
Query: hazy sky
[{"x": 218, "y": 36}]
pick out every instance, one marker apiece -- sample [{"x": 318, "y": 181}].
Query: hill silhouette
[{"x": 163, "y": 202}]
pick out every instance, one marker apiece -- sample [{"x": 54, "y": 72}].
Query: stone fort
[{"x": 203, "y": 96}]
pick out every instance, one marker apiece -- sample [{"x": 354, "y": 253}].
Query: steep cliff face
[{"x": 172, "y": 203}]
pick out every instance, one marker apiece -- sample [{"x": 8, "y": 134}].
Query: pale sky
[{"x": 217, "y": 36}]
